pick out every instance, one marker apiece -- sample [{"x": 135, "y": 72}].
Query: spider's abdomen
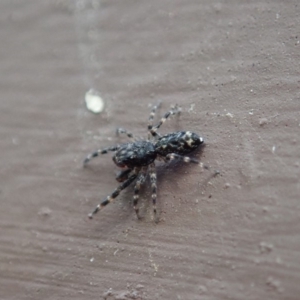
[
  {"x": 181, "y": 142},
  {"x": 138, "y": 154}
]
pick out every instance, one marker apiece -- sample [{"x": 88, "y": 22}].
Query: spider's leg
[
  {"x": 100, "y": 151},
  {"x": 115, "y": 193},
  {"x": 153, "y": 129},
  {"x": 185, "y": 159},
  {"x": 188, "y": 159},
  {"x": 151, "y": 118},
  {"x": 140, "y": 180},
  {"x": 162, "y": 158},
  {"x": 153, "y": 187},
  {"x": 123, "y": 175},
  {"x": 122, "y": 130}
]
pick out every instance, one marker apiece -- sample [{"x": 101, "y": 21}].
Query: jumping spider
[{"x": 138, "y": 156}]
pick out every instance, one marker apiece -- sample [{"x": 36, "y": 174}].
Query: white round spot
[{"x": 94, "y": 102}]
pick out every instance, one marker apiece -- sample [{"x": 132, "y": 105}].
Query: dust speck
[
  {"x": 226, "y": 185},
  {"x": 139, "y": 287},
  {"x": 45, "y": 211},
  {"x": 265, "y": 247},
  {"x": 265, "y": 209},
  {"x": 263, "y": 121},
  {"x": 202, "y": 289},
  {"x": 274, "y": 284}
]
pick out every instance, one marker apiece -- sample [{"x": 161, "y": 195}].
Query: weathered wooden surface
[{"x": 234, "y": 69}]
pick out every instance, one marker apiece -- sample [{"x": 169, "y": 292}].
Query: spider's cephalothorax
[
  {"x": 137, "y": 157},
  {"x": 181, "y": 142}
]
